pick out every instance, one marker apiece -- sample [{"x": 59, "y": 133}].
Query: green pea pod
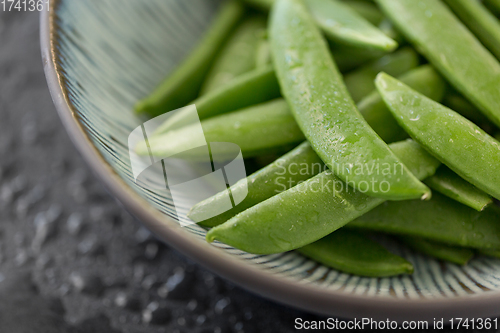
[
  {"x": 251, "y": 88},
  {"x": 360, "y": 82},
  {"x": 480, "y": 21},
  {"x": 493, "y": 5},
  {"x": 454, "y": 254},
  {"x": 324, "y": 111},
  {"x": 433, "y": 29},
  {"x": 238, "y": 54},
  {"x": 184, "y": 84},
  {"x": 341, "y": 24},
  {"x": 458, "y": 103},
  {"x": 263, "y": 54},
  {"x": 423, "y": 79},
  {"x": 450, "y": 184},
  {"x": 295, "y": 167},
  {"x": 490, "y": 253},
  {"x": 367, "y": 10},
  {"x": 460, "y": 144},
  {"x": 389, "y": 30},
  {"x": 311, "y": 210},
  {"x": 352, "y": 252},
  {"x": 255, "y": 129},
  {"x": 440, "y": 219},
  {"x": 303, "y": 163},
  {"x": 349, "y": 58}
]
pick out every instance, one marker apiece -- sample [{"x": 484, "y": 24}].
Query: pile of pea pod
[{"x": 408, "y": 90}]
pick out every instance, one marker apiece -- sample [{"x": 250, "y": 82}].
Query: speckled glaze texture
[{"x": 101, "y": 57}]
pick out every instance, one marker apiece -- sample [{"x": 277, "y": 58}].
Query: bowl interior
[{"x": 112, "y": 53}]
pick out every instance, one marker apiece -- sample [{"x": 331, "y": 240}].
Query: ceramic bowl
[{"x": 100, "y": 57}]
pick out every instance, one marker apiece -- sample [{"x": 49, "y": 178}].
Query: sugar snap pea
[
  {"x": 303, "y": 163},
  {"x": 321, "y": 104},
  {"x": 289, "y": 170},
  {"x": 183, "y": 85},
  {"x": 360, "y": 82},
  {"x": 352, "y": 252},
  {"x": 458, "y": 103},
  {"x": 454, "y": 254},
  {"x": 440, "y": 219},
  {"x": 349, "y": 58},
  {"x": 480, "y": 21},
  {"x": 368, "y": 10},
  {"x": 450, "y": 184},
  {"x": 451, "y": 48},
  {"x": 254, "y": 129},
  {"x": 263, "y": 54},
  {"x": 458, "y": 143},
  {"x": 238, "y": 54},
  {"x": 251, "y": 88},
  {"x": 493, "y": 5},
  {"x": 311, "y": 210},
  {"x": 424, "y": 79},
  {"x": 341, "y": 24},
  {"x": 489, "y": 253}
]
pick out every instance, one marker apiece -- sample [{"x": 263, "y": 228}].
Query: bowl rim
[{"x": 285, "y": 291}]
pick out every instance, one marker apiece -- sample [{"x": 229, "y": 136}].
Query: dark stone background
[{"x": 71, "y": 258}]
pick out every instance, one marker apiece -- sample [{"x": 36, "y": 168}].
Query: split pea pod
[
  {"x": 238, "y": 54},
  {"x": 311, "y": 210},
  {"x": 324, "y": 110},
  {"x": 303, "y": 163},
  {"x": 352, "y": 252},
  {"x": 480, "y": 21},
  {"x": 251, "y": 88},
  {"x": 289, "y": 170},
  {"x": 450, "y": 184},
  {"x": 360, "y": 82},
  {"x": 183, "y": 85},
  {"x": 254, "y": 130},
  {"x": 458, "y": 143},
  {"x": 454, "y": 254},
  {"x": 440, "y": 219},
  {"x": 433, "y": 29}
]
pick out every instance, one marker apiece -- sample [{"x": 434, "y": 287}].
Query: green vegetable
[
  {"x": 440, "y": 219},
  {"x": 251, "y": 88},
  {"x": 451, "y": 48},
  {"x": 303, "y": 163},
  {"x": 456, "y": 255},
  {"x": 360, "y": 82},
  {"x": 348, "y": 58},
  {"x": 255, "y": 129},
  {"x": 450, "y": 184},
  {"x": 454, "y": 140},
  {"x": 493, "y": 5},
  {"x": 309, "y": 211},
  {"x": 354, "y": 253},
  {"x": 183, "y": 85},
  {"x": 325, "y": 112},
  {"x": 367, "y": 10},
  {"x": 489, "y": 253},
  {"x": 289, "y": 170},
  {"x": 480, "y": 21},
  {"x": 341, "y": 24},
  {"x": 263, "y": 54},
  {"x": 238, "y": 54},
  {"x": 458, "y": 103},
  {"x": 423, "y": 79}
]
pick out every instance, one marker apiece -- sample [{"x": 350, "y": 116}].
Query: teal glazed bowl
[{"x": 100, "y": 57}]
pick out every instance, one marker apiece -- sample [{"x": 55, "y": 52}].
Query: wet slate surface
[{"x": 71, "y": 258}]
